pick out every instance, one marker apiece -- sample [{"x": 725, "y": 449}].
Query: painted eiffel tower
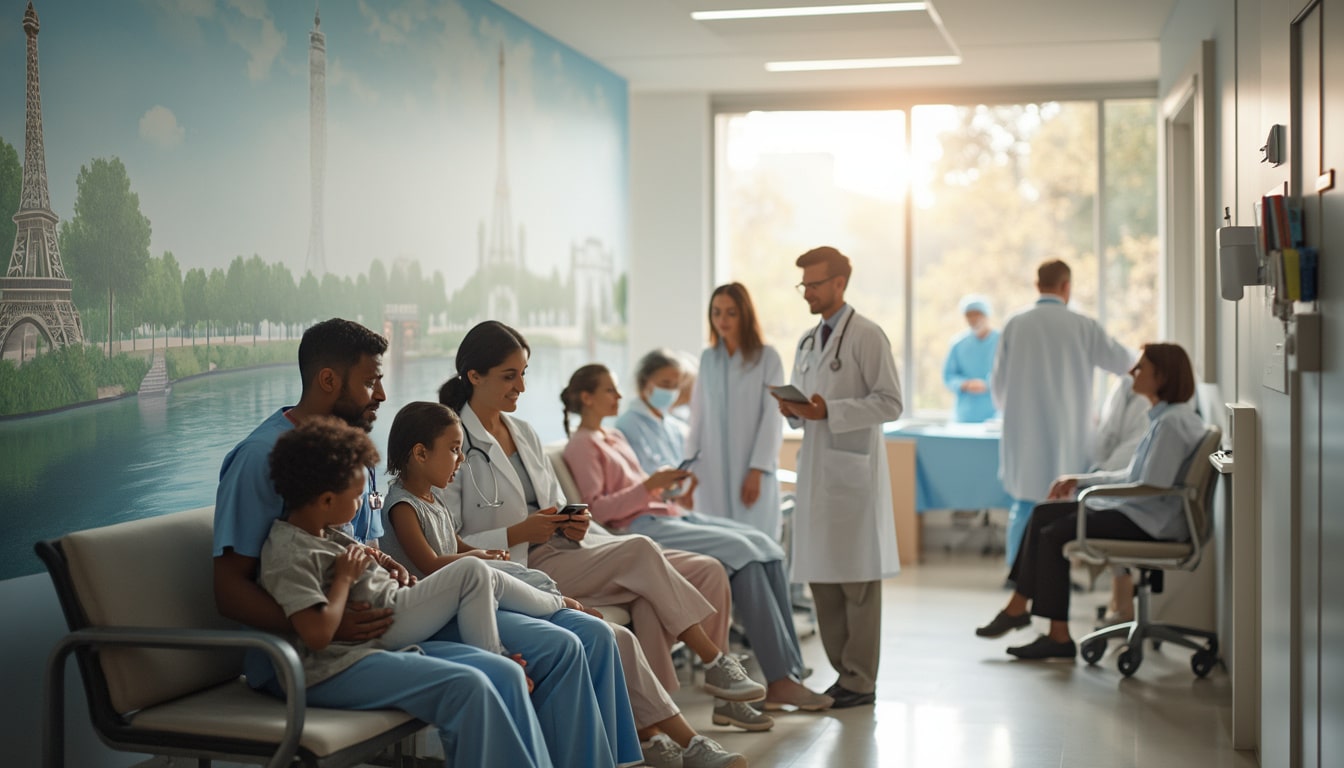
[{"x": 35, "y": 288}]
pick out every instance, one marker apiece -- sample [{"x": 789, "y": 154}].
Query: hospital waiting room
[{"x": 673, "y": 383}]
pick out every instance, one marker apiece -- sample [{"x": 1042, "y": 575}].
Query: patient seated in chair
[{"x": 1163, "y": 376}]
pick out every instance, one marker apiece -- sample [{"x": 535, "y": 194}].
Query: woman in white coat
[
  {"x": 844, "y": 540},
  {"x": 508, "y": 499}
]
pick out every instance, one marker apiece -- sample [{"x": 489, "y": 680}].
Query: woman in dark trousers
[{"x": 1041, "y": 572}]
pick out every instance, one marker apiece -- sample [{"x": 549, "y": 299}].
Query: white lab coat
[
  {"x": 844, "y": 529},
  {"x": 736, "y": 427},
  {"x": 1042, "y": 384},
  {"x": 1123, "y": 423},
  {"x": 485, "y": 526}
]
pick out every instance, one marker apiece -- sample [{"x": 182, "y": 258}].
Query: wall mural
[{"x": 192, "y": 183}]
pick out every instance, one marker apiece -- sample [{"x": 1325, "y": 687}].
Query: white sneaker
[
  {"x": 741, "y": 715},
  {"x": 706, "y": 753},
  {"x": 727, "y": 679},
  {"x": 662, "y": 752}
]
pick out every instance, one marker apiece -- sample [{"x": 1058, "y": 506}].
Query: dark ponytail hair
[
  {"x": 485, "y": 346},
  {"x": 418, "y": 423},
  {"x": 584, "y": 380}
]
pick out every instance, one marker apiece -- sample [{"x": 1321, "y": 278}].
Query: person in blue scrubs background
[{"x": 970, "y": 361}]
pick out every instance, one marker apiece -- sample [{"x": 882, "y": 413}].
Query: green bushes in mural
[
  {"x": 66, "y": 376},
  {"x": 192, "y": 361}
]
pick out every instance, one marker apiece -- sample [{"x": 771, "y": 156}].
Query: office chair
[{"x": 1150, "y": 558}]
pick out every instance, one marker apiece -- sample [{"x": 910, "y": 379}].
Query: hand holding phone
[{"x": 574, "y": 510}]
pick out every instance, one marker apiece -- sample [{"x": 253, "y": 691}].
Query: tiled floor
[{"x": 947, "y": 698}]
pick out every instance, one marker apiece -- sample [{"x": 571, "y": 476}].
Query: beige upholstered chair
[
  {"x": 616, "y": 614},
  {"x": 162, "y": 670},
  {"x": 1194, "y": 488}
]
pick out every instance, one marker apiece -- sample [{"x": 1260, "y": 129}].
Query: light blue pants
[
  {"x": 580, "y": 699},
  {"x": 1018, "y": 516},
  {"x": 761, "y": 602},
  {"x": 755, "y": 565},
  {"x": 477, "y": 699}
]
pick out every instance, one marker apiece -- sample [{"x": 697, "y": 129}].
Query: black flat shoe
[
  {"x": 1003, "y": 624},
  {"x": 845, "y": 698},
  {"x": 1044, "y": 648}
]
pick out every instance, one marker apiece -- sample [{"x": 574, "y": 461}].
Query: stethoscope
[
  {"x": 375, "y": 504},
  {"x": 809, "y": 343},
  {"x": 471, "y": 473}
]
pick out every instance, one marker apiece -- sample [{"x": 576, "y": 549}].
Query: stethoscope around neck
[
  {"x": 809, "y": 343},
  {"x": 471, "y": 473}
]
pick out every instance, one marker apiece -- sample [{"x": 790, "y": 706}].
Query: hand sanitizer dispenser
[{"x": 1238, "y": 261}]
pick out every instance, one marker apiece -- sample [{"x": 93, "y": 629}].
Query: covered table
[{"x": 956, "y": 465}]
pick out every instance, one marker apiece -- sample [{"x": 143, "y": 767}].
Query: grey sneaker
[
  {"x": 706, "y": 753},
  {"x": 661, "y": 752},
  {"x": 741, "y": 715},
  {"x": 728, "y": 680}
]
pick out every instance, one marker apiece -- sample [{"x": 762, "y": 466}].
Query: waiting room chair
[
  {"x": 1150, "y": 558},
  {"x": 162, "y": 670}
]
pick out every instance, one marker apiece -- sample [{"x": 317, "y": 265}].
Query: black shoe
[
  {"x": 1003, "y": 624},
  {"x": 1044, "y": 648},
  {"x": 845, "y": 698}
]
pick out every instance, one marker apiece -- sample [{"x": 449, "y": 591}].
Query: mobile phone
[
  {"x": 686, "y": 463},
  {"x": 570, "y": 510}
]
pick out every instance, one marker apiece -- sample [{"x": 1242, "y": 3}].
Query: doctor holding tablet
[{"x": 844, "y": 542}]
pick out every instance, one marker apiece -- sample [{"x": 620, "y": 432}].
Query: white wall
[{"x": 671, "y": 170}]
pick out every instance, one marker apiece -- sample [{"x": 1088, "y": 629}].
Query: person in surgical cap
[{"x": 970, "y": 361}]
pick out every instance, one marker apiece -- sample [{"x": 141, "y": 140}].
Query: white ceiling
[{"x": 656, "y": 46}]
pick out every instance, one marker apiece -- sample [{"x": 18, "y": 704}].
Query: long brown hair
[
  {"x": 750, "y": 333},
  {"x": 584, "y": 380}
]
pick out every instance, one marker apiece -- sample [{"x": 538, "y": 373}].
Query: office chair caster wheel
[
  {"x": 1157, "y": 645},
  {"x": 1128, "y": 661},
  {"x": 1202, "y": 663},
  {"x": 1093, "y": 650}
]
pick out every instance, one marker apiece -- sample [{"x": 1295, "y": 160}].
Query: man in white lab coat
[
  {"x": 844, "y": 539},
  {"x": 1042, "y": 383}
]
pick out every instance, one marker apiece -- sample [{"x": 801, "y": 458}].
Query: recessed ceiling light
[
  {"x": 810, "y": 10},
  {"x": 829, "y": 64}
]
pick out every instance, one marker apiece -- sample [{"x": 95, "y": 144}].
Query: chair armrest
[
  {"x": 1135, "y": 491},
  {"x": 787, "y": 476},
  {"x": 278, "y": 650}
]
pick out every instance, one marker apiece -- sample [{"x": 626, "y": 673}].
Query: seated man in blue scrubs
[{"x": 478, "y": 699}]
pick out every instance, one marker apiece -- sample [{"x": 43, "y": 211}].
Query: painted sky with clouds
[{"x": 206, "y": 102}]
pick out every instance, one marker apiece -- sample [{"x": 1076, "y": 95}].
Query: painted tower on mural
[
  {"x": 498, "y": 256},
  {"x": 317, "y": 145},
  {"x": 35, "y": 289}
]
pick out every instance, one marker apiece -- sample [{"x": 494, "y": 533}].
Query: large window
[
  {"x": 988, "y": 191},
  {"x": 790, "y": 181}
]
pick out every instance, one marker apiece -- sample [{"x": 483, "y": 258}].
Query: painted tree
[
  {"x": 161, "y": 300},
  {"x": 193, "y": 301},
  {"x": 106, "y": 244},
  {"x": 11, "y": 186}
]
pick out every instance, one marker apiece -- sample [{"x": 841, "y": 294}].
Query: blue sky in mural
[{"x": 207, "y": 105}]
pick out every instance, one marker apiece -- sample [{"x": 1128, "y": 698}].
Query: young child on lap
[{"x": 312, "y": 570}]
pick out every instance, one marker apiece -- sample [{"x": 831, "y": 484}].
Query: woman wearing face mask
[{"x": 657, "y": 435}]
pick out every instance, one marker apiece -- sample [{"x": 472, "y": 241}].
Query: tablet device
[{"x": 788, "y": 393}]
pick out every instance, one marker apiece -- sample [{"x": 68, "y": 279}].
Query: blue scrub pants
[
  {"x": 761, "y": 601},
  {"x": 583, "y": 708},
  {"x": 477, "y": 699},
  {"x": 1018, "y": 516}
]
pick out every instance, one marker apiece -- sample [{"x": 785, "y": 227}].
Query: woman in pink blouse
[{"x": 621, "y": 496}]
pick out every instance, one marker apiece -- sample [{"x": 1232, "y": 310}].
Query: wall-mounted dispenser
[{"x": 1238, "y": 261}]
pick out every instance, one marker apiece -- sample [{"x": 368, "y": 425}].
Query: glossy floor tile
[{"x": 947, "y": 698}]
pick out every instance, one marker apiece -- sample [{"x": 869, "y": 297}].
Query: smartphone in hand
[
  {"x": 573, "y": 510},
  {"x": 686, "y": 463}
]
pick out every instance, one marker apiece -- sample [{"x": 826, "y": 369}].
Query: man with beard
[{"x": 478, "y": 700}]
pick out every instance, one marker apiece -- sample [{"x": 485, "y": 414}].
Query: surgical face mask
[{"x": 662, "y": 399}]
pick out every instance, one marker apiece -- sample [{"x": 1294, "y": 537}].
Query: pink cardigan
[{"x": 610, "y": 479}]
